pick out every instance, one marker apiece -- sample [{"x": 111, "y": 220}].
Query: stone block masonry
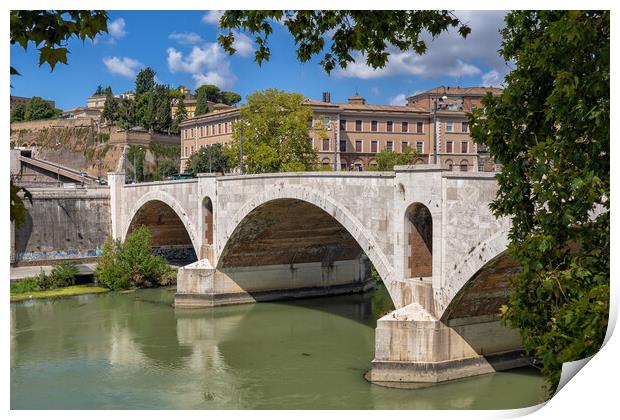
[{"x": 63, "y": 223}]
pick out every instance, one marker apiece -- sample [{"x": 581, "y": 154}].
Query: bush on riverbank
[
  {"x": 62, "y": 275},
  {"x": 130, "y": 264}
]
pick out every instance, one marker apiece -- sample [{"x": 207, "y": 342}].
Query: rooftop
[{"x": 460, "y": 91}]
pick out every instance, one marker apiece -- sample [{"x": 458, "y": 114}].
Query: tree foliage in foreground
[
  {"x": 345, "y": 32},
  {"x": 550, "y": 131},
  {"x": 274, "y": 125},
  {"x": 130, "y": 264},
  {"x": 50, "y": 30}
]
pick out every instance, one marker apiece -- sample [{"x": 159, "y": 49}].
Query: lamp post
[
  {"x": 327, "y": 124},
  {"x": 335, "y": 148},
  {"x": 241, "y": 149}
]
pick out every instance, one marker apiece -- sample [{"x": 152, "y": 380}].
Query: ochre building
[{"x": 434, "y": 123}]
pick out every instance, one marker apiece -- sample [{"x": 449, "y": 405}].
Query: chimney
[
  {"x": 357, "y": 99},
  {"x": 326, "y": 97}
]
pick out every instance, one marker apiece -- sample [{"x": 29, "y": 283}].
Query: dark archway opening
[
  {"x": 208, "y": 220},
  {"x": 289, "y": 248},
  {"x": 419, "y": 236},
  {"x": 170, "y": 238}
]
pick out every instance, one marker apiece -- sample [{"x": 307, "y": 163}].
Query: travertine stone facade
[{"x": 274, "y": 236}]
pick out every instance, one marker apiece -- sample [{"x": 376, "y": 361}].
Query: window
[
  {"x": 448, "y": 126},
  {"x": 192, "y": 133},
  {"x": 219, "y": 129},
  {"x": 343, "y": 124},
  {"x": 404, "y": 127},
  {"x": 448, "y": 147},
  {"x": 358, "y": 146},
  {"x": 464, "y": 165},
  {"x": 325, "y": 144},
  {"x": 389, "y": 146},
  {"x": 373, "y": 126},
  {"x": 186, "y": 151},
  {"x": 419, "y": 146},
  {"x": 464, "y": 147},
  {"x": 464, "y": 127},
  {"x": 358, "y": 125},
  {"x": 373, "y": 146},
  {"x": 420, "y": 127},
  {"x": 192, "y": 148},
  {"x": 404, "y": 145},
  {"x": 389, "y": 126},
  {"x": 343, "y": 145}
]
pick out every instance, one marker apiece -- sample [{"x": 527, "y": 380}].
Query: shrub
[
  {"x": 63, "y": 275},
  {"x": 131, "y": 264},
  {"x": 29, "y": 284}
]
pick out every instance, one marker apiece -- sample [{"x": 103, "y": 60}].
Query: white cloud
[
  {"x": 212, "y": 17},
  {"x": 116, "y": 28},
  {"x": 185, "y": 38},
  {"x": 123, "y": 66},
  {"x": 493, "y": 78},
  {"x": 449, "y": 55},
  {"x": 400, "y": 99},
  {"x": 243, "y": 45},
  {"x": 206, "y": 64}
]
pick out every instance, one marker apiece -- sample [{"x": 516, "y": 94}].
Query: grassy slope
[{"x": 60, "y": 292}]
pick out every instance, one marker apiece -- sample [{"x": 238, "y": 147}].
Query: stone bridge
[{"x": 428, "y": 233}]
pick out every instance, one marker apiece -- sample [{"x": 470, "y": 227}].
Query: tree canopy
[
  {"x": 145, "y": 81},
  {"x": 550, "y": 131},
  {"x": 274, "y": 126},
  {"x": 35, "y": 109},
  {"x": 387, "y": 159},
  {"x": 50, "y": 30},
  {"x": 212, "y": 93},
  {"x": 202, "y": 102},
  {"x": 344, "y": 32},
  {"x": 210, "y": 158},
  {"x": 180, "y": 115}
]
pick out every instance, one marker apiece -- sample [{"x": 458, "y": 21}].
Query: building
[
  {"x": 434, "y": 123},
  {"x": 20, "y": 100},
  {"x": 448, "y": 108},
  {"x": 189, "y": 101}
]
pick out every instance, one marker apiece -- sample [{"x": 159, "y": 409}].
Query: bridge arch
[
  {"x": 334, "y": 209},
  {"x": 479, "y": 277},
  {"x": 163, "y": 201}
]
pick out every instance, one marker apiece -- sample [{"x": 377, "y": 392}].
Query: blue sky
[{"x": 181, "y": 47}]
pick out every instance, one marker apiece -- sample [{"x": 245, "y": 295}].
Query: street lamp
[
  {"x": 328, "y": 126},
  {"x": 241, "y": 149}
]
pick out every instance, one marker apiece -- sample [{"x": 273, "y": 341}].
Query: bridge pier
[
  {"x": 411, "y": 345},
  {"x": 201, "y": 285}
]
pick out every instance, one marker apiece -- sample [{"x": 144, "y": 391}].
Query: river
[{"x": 135, "y": 351}]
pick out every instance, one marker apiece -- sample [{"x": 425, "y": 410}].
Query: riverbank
[
  {"x": 23, "y": 272},
  {"x": 76, "y": 290}
]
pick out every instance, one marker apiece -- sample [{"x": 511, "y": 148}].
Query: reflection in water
[{"x": 134, "y": 350}]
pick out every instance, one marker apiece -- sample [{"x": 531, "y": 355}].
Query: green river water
[{"x": 135, "y": 351}]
